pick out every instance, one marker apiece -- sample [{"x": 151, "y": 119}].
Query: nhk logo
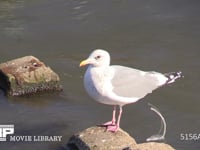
[{"x": 6, "y": 130}]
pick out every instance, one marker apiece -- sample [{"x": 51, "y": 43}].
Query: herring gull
[{"x": 119, "y": 85}]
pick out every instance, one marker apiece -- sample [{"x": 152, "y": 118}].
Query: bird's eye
[{"x": 97, "y": 57}]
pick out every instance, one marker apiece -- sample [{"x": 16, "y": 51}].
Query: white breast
[{"x": 97, "y": 84}]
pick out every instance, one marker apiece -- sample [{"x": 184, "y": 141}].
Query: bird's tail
[{"x": 172, "y": 76}]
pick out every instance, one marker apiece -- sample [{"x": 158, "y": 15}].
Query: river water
[{"x": 150, "y": 35}]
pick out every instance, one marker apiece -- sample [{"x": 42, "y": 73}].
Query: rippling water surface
[{"x": 150, "y": 35}]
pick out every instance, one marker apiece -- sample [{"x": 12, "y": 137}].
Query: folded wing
[{"x": 129, "y": 82}]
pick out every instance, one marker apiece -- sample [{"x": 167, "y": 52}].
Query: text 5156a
[{"x": 190, "y": 136}]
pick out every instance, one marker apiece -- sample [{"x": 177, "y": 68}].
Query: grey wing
[{"x": 129, "y": 82}]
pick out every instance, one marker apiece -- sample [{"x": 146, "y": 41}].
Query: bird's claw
[
  {"x": 112, "y": 128},
  {"x": 110, "y": 123}
]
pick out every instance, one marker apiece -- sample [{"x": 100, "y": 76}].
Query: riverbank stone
[
  {"x": 27, "y": 75},
  {"x": 97, "y": 138}
]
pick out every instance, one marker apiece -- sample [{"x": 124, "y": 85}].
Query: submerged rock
[
  {"x": 97, "y": 138},
  {"x": 27, "y": 75}
]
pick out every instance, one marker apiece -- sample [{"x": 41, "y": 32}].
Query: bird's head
[{"x": 98, "y": 58}]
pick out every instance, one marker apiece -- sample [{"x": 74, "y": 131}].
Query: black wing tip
[
  {"x": 172, "y": 76},
  {"x": 179, "y": 74}
]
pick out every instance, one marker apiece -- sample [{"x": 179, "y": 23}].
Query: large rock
[
  {"x": 27, "y": 75},
  {"x": 97, "y": 138},
  {"x": 154, "y": 146}
]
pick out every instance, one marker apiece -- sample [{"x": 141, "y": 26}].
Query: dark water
[{"x": 151, "y": 35}]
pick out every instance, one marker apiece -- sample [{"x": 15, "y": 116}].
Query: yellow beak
[{"x": 83, "y": 63}]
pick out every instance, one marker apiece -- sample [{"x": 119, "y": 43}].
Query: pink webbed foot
[
  {"x": 113, "y": 128},
  {"x": 110, "y": 123}
]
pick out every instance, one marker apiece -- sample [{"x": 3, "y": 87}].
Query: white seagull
[{"x": 119, "y": 85}]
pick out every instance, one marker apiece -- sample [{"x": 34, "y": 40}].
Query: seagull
[{"x": 119, "y": 85}]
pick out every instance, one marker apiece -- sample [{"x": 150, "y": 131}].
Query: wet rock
[
  {"x": 27, "y": 75},
  {"x": 97, "y": 138}
]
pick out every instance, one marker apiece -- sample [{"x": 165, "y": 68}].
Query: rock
[
  {"x": 97, "y": 138},
  {"x": 27, "y": 75},
  {"x": 154, "y": 146}
]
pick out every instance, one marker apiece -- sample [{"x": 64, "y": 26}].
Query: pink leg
[
  {"x": 113, "y": 121},
  {"x": 115, "y": 127}
]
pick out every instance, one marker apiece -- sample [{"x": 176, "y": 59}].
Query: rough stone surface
[
  {"x": 97, "y": 138},
  {"x": 154, "y": 146},
  {"x": 27, "y": 75}
]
